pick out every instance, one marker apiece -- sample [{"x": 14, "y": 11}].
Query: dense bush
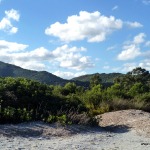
[{"x": 25, "y": 100}]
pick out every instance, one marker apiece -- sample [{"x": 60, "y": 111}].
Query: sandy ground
[{"x": 116, "y": 134}]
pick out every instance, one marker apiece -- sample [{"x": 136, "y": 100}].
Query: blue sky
[{"x": 70, "y": 38}]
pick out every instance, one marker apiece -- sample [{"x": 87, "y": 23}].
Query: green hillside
[
  {"x": 8, "y": 70},
  {"x": 106, "y": 78}
]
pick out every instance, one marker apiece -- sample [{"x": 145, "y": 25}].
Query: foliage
[
  {"x": 8, "y": 70},
  {"x": 95, "y": 80},
  {"x": 27, "y": 100},
  {"x": 105, "y": 78}
]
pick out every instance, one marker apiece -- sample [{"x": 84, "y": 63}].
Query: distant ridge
[
  {"x": 106, "y": 78},
  {"x": 9, "y": 70}
]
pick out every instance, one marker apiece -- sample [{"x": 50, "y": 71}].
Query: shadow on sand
[
  {"x": 117, "y": 128},
  {"x": 38, "y": 129}
]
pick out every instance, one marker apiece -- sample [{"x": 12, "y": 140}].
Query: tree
[
  {"x": 95, "y": 80},
  {"x": 140, "y": 75},
  {"x": 93, "y": 97},
  {"x": 138, "y": 71},
  {"x": 137, "y": 75},
  {"x": 69, "y": 88},
  {"x": 115, "y": 91},
  {"x": 138, "y": 88}
]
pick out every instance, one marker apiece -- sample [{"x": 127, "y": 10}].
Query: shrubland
[{"x": 27, "y": 100}]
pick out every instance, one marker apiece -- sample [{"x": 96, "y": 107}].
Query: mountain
[
  {"x": 8, "y": 70},
  {"x": 106, "y": 78}
]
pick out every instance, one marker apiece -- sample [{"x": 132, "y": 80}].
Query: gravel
[{"x": 111, "y": 136}]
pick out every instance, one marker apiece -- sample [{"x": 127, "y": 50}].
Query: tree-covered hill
[
  {"x": 8, "y": 70},
  {"x": 106, "y": 78}
]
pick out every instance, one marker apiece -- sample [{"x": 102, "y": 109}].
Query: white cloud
[
  {"x": 34, "y": 65},
  {"x": 131, "y": 50},
  {"x": 115, "y": 7},
  {"x": 13, "y": 30},
  {"x": 6, "y": 22},
  {"x": 139, "y": 38},
  {"x": 30, "y": 64},
  {"x": 12, "y": 14},
  {"x": 134, "y": 24},
  {"x": 64, "y": 56},
  {"x": 71, "y": 58},
  {"x": 34, "y": 60},
  {"x": 40, "y": 54},
  {"x": 6, "y": 46},
  {"x": 130, "y": 66},
  {"x": 68, "y": 75},
  {"x": 67, "y": 50},
  {"x": 91, "y": 26},
  {"x": 17, "y": 54}
]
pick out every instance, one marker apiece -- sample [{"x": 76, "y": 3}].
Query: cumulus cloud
[
  {"x": 12, "y": 14},
  {"x": 6, "y": 22},
  {"x": 139, "y": 38},
  {"x": 64, "y": 56},
  {"x": 6, "y": 46},
  {"x": 15, "y": 53},
  {"x": 129, "y": 52},
  {"x": 94, "y": 27},
  {"x": 71, "y": 58},
  {"x": 29, "y": 64},
  {"x": 68, "y": 75},
  {"x": 134, "y": 24},
  {"x": 132, "y": 49},
  {"x": 130, "y": 66}
]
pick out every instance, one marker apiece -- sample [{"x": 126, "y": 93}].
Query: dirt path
[{"x": 119, "y": 132}]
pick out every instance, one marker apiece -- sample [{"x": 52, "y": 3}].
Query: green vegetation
[
  {"x": 27, "y": 100},
  {"x": 105, "y": 78},
  {"x": 8, "y": 70}
]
